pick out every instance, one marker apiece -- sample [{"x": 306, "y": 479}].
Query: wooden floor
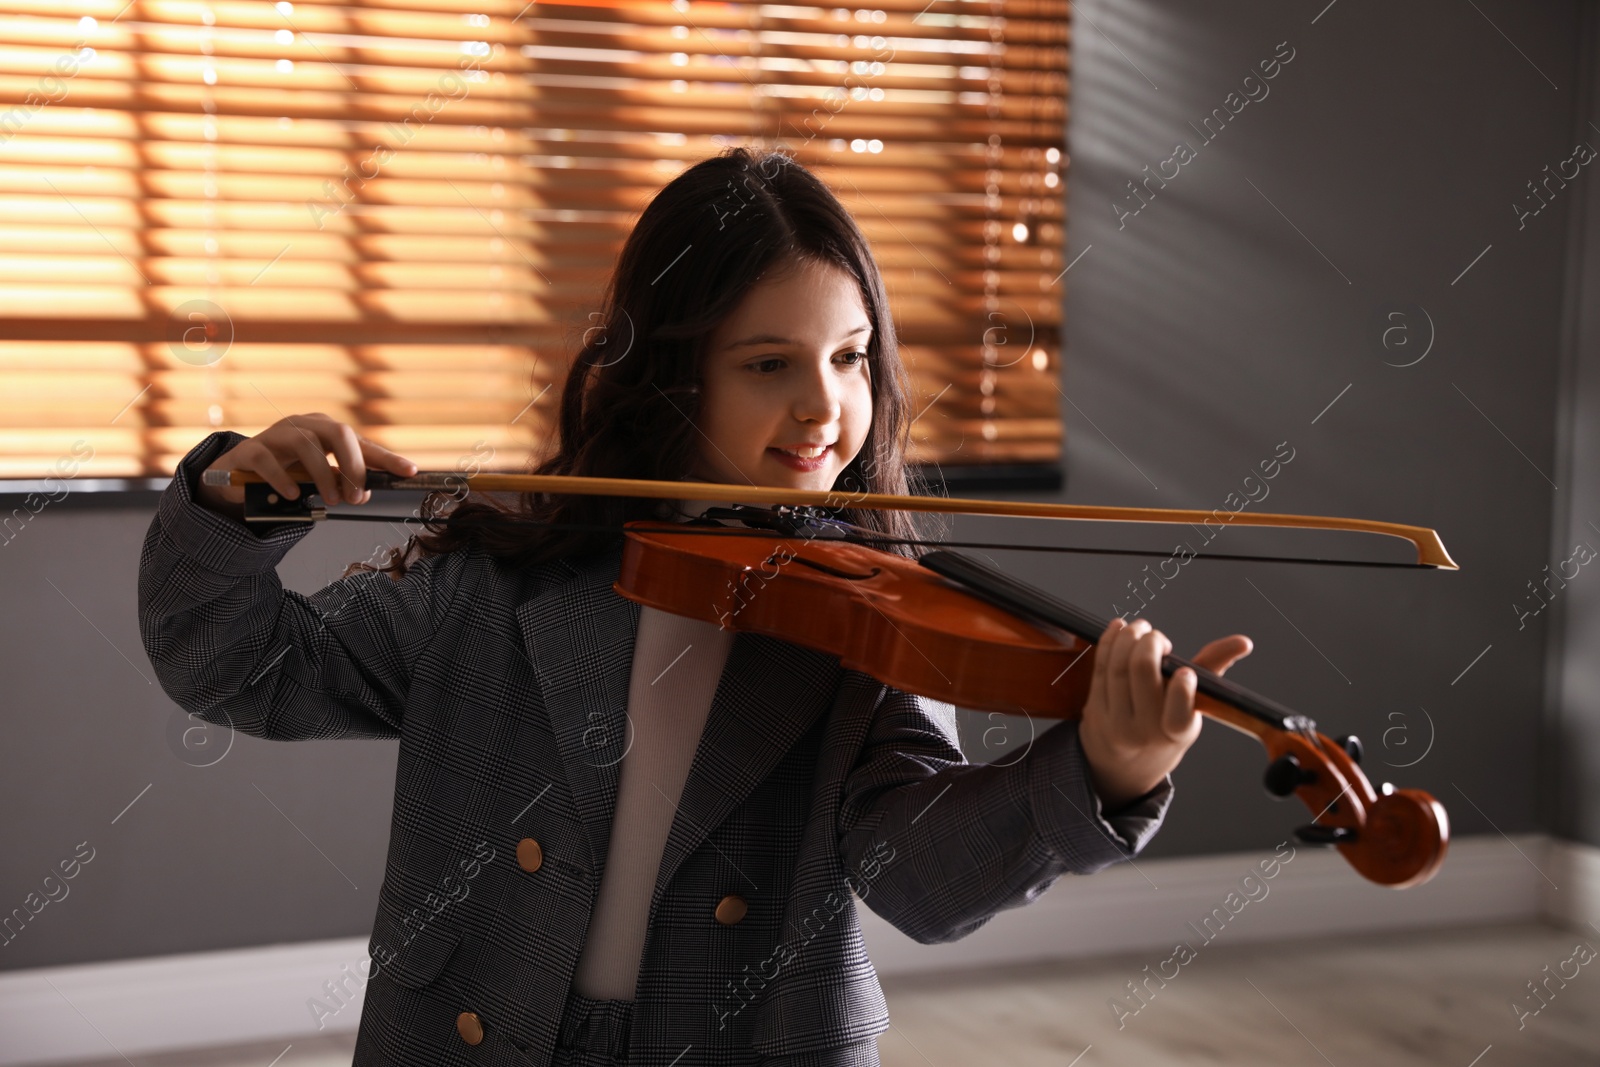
[{"x": 1441, "y": 999}]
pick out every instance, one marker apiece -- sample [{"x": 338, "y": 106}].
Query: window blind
[{"x": 403, "y": 212}]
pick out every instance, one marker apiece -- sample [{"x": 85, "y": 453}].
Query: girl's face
[{"x": 785, "y": 372}]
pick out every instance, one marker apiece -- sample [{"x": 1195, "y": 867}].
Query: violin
[
  {"x": 953, "y": 628},
  {"x": 950, "y": 627}
]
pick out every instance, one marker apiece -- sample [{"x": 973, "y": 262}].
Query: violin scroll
[{"x": 1396, "y": 838}]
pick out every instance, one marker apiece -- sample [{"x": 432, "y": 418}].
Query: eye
[
  {"x": 758, "y": 364},
  {"x": 855, "y": 357}
]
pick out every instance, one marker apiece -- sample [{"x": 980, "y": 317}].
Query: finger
[
  {"x": 384, "y": 459},
  {"x": 315, "y": 461},
  {"x": 1102, "y": 656},
  {"x": 352, "y": 467},
  {"x": 1223, "y": 653},
  {"x": 1146, "y": 686},
  {"x": 288, "y": 439},
  {"x": 1180, "y": 721},
  {"x": 1118, "y": 698},
  {"x": 264, "y": 463}
]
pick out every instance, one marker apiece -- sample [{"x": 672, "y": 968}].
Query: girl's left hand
[{"x": 1136, "y": 725}]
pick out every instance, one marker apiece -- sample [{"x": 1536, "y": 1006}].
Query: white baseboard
[
  {"x": 1127, "y": 908},
  {"x": 1572, "y": 895},
  {"x": 166, "y": 1003},
  {"x": 60, "y": 1014}
]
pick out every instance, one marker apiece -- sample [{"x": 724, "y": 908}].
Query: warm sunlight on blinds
[{"x": 402, "y": 212}]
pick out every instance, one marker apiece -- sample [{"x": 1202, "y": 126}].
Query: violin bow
[
  {"x": 264, "y": 504},
  {"x": 1396, "y": 837}
]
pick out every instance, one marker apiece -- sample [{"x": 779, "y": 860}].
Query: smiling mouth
[{"x": 806, "y": 459}]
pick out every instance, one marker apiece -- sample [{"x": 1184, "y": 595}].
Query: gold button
[
  {"x": 731, "y": 909},
  {"x": 470, "y": 1029},
  {"x": 529, "y": 855}
]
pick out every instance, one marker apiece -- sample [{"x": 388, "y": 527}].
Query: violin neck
[{"x": 995, "y": 586}]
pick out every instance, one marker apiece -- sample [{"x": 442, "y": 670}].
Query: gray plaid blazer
[{"x": 812, "y": 787}]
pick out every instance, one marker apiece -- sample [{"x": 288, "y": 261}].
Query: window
[{"x": 400, "y": 212}]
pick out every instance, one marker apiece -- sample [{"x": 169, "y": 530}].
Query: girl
[{"x": 621, "y": 836}]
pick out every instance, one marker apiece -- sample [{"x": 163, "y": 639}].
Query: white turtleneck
[{"x": 677, "y": 662}]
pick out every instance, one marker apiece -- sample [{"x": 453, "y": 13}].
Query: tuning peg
[
  {"x": 1317, "y": 834},
  {"x": 1284, "y": 775},
  {"x": 1352, "y": 747}
]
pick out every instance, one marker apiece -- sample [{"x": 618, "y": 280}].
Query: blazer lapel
[
  {"x": 580, "y": 634},
  {"x": 770, "y": 693}
]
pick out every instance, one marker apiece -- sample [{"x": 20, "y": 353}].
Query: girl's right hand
[{"x": 308, "y": 439}]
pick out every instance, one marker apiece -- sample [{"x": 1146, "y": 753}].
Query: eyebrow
[{"x": 773, "y": 339}]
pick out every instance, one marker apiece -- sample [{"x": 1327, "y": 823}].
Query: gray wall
[
  {"x": 1574, "y": 720},
  {"x": 1204, "y": 332},
  {"x": 1252, "y": 291}
]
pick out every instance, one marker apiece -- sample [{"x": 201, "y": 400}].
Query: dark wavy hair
[{"x": 632, "y": 394}]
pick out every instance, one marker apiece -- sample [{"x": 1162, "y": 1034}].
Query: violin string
[
  {"x": 730, "y": 531},
  {"x": 1240, "y": 697},
  {"x": 989, "y": 583}
]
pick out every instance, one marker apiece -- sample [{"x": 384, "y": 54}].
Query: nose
[{"x": 817, "y": 396}]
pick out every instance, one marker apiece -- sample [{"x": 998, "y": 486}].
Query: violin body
[
  {"x": 896, "y": 620},
  {"x": 879, "y": 612}
]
